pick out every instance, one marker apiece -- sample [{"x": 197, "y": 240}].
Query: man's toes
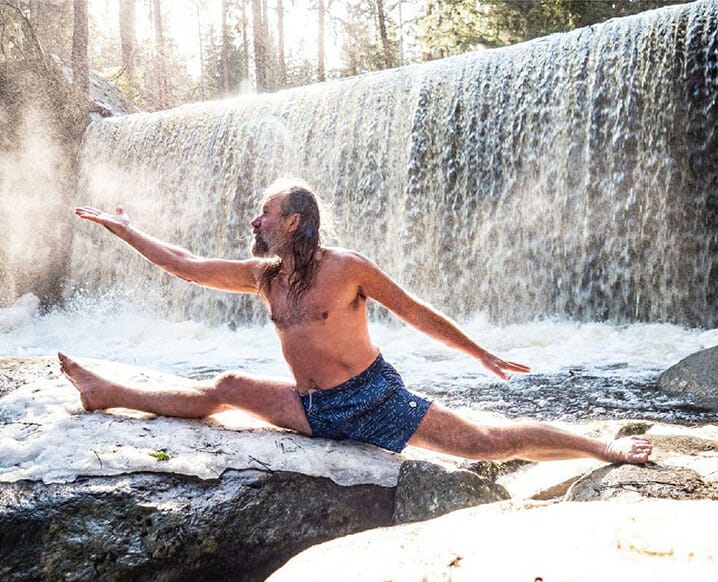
[{"x": 65, "y": 362}]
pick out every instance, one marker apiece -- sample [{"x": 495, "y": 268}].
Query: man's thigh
[{"x": 274, "y": 400}]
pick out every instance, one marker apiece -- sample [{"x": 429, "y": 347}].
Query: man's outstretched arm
[
  {"x": 379, "y": 286},
  {"x": 226, "y": 275}
]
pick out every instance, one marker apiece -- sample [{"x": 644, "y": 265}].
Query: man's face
[{"x": 270, "y": 228}]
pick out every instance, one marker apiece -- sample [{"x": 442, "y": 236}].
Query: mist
[{"x": 34, "y": 173}]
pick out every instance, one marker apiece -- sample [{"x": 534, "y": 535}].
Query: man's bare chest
[
  {"x": 319, "y": 305},
  {"x": 284, "y": 313}
]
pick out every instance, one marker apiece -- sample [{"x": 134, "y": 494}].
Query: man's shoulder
[{"x": 344, "y": 258}]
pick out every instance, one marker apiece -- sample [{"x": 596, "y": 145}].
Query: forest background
[{"x": 163, "y": 53}]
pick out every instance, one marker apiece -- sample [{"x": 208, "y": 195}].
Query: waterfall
[{"x": 573, "y": 176}]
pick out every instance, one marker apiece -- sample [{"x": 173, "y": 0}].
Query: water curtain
[{"x": 571, "y": 176}]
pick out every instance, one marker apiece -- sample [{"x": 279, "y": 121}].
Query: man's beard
[{"x": 260, "y": 248}]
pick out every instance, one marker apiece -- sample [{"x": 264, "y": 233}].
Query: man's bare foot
[
  {"x": 632, "y": 449},
  {"x": 92, "y": 387}
]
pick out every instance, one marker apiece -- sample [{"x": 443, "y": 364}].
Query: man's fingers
[
  {"x": 87, "y": 211},
  {"x": 500, "y": 367},
  {"x": 501, "y": 374},
  {"x": 95, "y": 215},
  {"x": 516, "y": 367}
]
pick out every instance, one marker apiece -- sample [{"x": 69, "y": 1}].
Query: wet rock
[
  {"x": 493, "y": 470},
  {"x": 555, "y": 491},
  {"x": 426, "y": 490},
  {"x": 633, "y": 482},
  {"x": 633, "y": 428},
  {"x": 169, "y": 527},
  {"x": 696, "y": 375}
]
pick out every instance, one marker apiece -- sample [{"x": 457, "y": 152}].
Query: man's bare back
[{"x": 317, "y": 300}]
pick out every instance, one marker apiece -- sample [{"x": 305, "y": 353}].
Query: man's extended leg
[
  {"x": 444, "y": 431},
  {"x": 272, "y": 400}
]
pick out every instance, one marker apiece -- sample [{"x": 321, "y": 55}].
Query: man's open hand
[
  {"x": 116, "y": 223},
  {"x": 501, "y": 367}
]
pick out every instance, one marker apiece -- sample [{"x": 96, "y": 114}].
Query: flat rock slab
[
  {"x": 46, "y": 435},
  {"x": 655, "y": 540},
  {"x": 632, "y": 482}
]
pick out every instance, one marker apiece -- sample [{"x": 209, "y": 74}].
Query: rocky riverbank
[{"x": 103, "y": 496}]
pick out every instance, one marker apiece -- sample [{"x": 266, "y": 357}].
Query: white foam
[
  {"x": 129, "y": 334},
  {"x": 19, "y": 313},
  {"x": 551, "y": 346}
]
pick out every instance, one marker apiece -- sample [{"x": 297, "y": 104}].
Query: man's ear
[{"x": 294, "y": 220}]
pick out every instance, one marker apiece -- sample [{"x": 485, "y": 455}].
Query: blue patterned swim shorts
[{"x": 372, "y": 407}]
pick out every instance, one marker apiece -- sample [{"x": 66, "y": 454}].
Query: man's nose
[{"x": 255, "y": 223}]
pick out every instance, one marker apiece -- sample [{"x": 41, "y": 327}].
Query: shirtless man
[{"x": 342, "y": 387}]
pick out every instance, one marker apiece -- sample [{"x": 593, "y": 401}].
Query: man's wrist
[{"x": 126, "y": 232}]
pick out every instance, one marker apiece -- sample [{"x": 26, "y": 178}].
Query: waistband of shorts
[{"x": 355, "y": 381}]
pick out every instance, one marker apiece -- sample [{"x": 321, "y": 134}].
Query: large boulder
[
  {"x": 241, "y": 526},
  {"x": 106, "y": 98},
  {"x": 122, "y": 495},
  {"x": 695, "y": 376}
]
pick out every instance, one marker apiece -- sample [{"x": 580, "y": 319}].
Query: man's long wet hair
[{"x": 305, "y": 241}]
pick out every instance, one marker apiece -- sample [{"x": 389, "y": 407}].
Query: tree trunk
[
  {"x": 321, "y": 57},
  {"x": 260, "y": 44},
  {"x": 128, "y": 37},
  {"x": 427, "y": 52},
  {"x": 34, "y": 13},
  {"x": 160, "y": 74},
  {"x": 281, "y": 64},
  {"x": 202, "y": 86},
  {"x": 245, "y": 45},
  {"x": 381, "y": 18},
  {"x": 80, "y": 64},
  {"x": 225, "y": 48}
]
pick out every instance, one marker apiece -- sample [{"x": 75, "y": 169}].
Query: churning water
[{"x": 580, "y": 371}]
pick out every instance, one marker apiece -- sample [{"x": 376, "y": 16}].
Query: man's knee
[{"x": 229, "y": 384}]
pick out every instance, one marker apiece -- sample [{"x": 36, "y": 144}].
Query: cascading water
[{"x": 572, "y": 176}]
